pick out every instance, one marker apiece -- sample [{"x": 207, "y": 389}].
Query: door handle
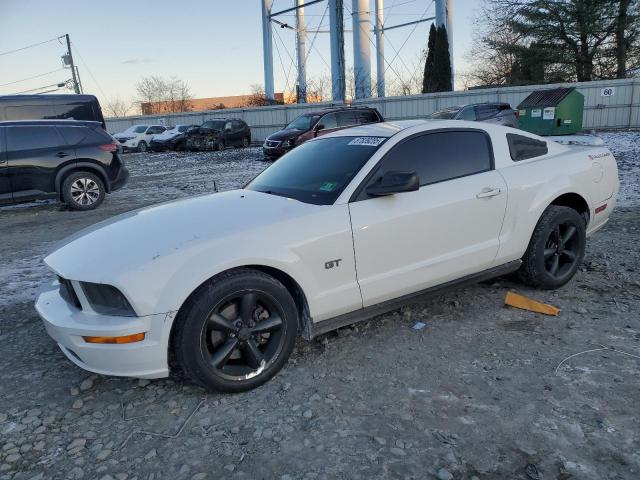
[
  {"x": 489, "y": 192},
  {"x": 62, "y": 154}
]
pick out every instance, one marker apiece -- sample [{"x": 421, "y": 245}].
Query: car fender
[
  {"x": 81, "y": 165},
  {"x": 527, "y": 200}
]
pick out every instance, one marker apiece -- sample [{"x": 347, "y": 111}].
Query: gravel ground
[{"x": 482, "y": 391}]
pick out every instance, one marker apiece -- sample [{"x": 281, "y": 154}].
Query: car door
[
  {"x": 34, "y": 155},
  {"x": 238, "y": 130},
  {"x": 5, "y": 184},
  {"x": 447, "y": 229}
]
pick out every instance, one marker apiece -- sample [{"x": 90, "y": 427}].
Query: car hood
[
  {"x": 285, "y": 134},
  {"x": 131, "y": 243}
]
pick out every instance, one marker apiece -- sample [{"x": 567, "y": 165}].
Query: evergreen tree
[
  {"x": 442, "y": 61},
  {"x": 427, "y": 82},
  {"x": 437, "y": 67}
]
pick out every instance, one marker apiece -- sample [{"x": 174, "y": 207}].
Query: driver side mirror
[{"x": 394, "y": 182}]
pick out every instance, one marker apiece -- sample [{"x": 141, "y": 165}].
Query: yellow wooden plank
[{"x": 520, "y": 301}]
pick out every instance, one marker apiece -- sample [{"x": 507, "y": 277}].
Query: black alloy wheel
[
  {"x": 236, "y": 331},
  {"x": 561, "y": 250},
  {"x": 556, "y": 248},
  {"x": 243, "y": 334}
]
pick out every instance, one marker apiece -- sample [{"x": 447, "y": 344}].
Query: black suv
[
  {"x": 76, "y": 162},
  {"x": 219, "y": 134},
  {"x": 318, "y": 123}
]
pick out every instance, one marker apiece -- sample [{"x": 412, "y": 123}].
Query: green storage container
[{"x": 552, "y": 112}]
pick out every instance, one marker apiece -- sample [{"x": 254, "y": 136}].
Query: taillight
[
  {"x": 517, "y": 114},
  {"x": 109, "y": 147}
]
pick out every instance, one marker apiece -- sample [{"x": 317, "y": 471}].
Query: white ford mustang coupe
[{"x": 342, "y": 228}]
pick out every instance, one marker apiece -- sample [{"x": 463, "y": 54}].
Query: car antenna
[{"x": 215, "y": 187}]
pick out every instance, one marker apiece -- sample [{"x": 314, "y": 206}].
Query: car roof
[
  {"x": 44, "y": 98},
  {"x": 58, "y": 122},
  {"x": 381, "y": 129}
]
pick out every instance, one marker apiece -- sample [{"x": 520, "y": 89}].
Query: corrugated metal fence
[{"x": 608, "y": 104}]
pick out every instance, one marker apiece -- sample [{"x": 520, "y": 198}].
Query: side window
[
  {"x": 367, "y": 116},
  {"x": 523, "y": 148},
  {"x": 73, "y": 135},
  {"x": 227, "y": 126},
  {"x": 346, "y": 119},
  {"x": 484, "y": 112},
  {"x": 329, "y": 121},
  {"x": 154, "y": 130},
  {"x": 468, "y": 113},
  {"x": 237, "y": 125},
  {"x": 437, "y": 157},
  {"x": 32, "y": 138}
]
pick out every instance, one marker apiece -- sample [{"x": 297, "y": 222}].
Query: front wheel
[
  {"x": 556, "y": 248},
  {"x": 220, "y": 145},
  {"x": 246, "y": 142},
  {"x": 142, "y": 146},
  {"x": 236, "y": 332}
]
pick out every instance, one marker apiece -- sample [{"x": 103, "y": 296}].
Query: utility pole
[
  {"x": 69, "y": 59},
  {"x": 267, "y": 50},
  {"x": 361, "y": 50},
  {"x": 302, "y": 52},
  {"x": 379, "y": 30},
  {"x": 336, "y": 34},
  {"x": 443, "y": 19}
]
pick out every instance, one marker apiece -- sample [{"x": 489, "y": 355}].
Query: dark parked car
[
  {"x": 174, "y": 138},
  {"x": 51, "y": 107},
  {"x": 314, "y": 124},
  {"x": 500, "y": 113},
  {"x": 219, "y": 134},
  {"x": 75, "y": 162}
]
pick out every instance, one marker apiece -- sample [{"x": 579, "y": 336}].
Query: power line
[
  {"x": 31, "y": 78},
  {"x": 29, "y": 46},
  {"x": 73, "y": 45},
  {"x": 59, "y": 85}
]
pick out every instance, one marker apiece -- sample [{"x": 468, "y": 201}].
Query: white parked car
[
  {"x": 342, "y": 228},
  {"x": 137, "y": 137}
]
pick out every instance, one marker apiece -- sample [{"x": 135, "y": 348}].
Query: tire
[
  {"x": 142, "y": 146},
  {"x": 220, "y": 146},
  {"x": 556, "y": 248},
  {"x": 216, "y": 345},
  {"x": 83, "y": 191},
  {"x": 246, "y": 141}
]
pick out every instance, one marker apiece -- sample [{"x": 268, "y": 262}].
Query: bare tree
[
  {"x": 257, "y": 98},
  {"x": 117, "y": 107},
  {"x": 158, "y": 95}
]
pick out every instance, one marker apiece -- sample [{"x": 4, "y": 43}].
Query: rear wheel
[
  {"x": 246, "y": 141},
  {"x": 83, "y": 191},
  {"x": 556, "y": 248},
  {"x": 236, "y": 332}
]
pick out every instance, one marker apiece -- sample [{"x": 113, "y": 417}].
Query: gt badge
[{"x": 332, "y": 263}]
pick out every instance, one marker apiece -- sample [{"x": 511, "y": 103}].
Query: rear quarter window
[{"x": 524, "y": 148}]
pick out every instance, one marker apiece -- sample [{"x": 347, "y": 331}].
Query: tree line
[{"x": 519, "y": 42}]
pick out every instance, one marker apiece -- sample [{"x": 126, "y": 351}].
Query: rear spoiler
[{"x": 583, "y": 140}]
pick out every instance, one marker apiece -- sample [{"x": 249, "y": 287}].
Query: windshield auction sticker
[{"x": 367, "y": 141}]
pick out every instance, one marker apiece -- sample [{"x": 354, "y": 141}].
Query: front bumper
[
  {"x": 67, "y": 324},
  {"x": 275, "y": 152}
]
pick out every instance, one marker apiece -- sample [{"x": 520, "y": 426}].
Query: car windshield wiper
[{"x": 278, "y": 194}]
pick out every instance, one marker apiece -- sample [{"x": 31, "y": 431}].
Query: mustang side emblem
[{"x": 332, "y": 263}]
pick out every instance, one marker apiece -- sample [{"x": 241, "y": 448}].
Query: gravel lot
[{"x": 482, "y": 391}]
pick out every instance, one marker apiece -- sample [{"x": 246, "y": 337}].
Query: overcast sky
[{"x": 215, "y": 45}]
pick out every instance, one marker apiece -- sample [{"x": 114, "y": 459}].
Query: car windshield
[
  {"x": 447, "y": 114},
  {"x": 317, "y": 171},
  {"x": 214, "y": 125},
  {"x": 303, "y": 122}
]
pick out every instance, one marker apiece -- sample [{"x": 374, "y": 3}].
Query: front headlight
[
  {"x": 292, "y": 142},
  {"x": 107, "y": 300}
]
